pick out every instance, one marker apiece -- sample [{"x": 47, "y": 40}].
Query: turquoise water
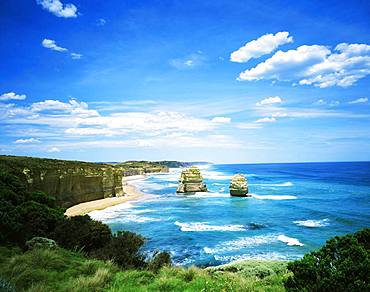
[{"x": 294, "y": 209}]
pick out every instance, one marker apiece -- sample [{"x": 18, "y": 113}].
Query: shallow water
[{"x": 294, "y": 209}]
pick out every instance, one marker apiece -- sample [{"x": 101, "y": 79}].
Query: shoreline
[{"x": 130, "y": 191}]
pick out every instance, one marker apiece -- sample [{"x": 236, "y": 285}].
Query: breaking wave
[
  {"x": 241, "y": 243},
  {"x": 312, "y": 223},
  {"x": 204, "y": 226},
  {"x": 289, "y": 240},
  {"x": 274, "y": 197}
]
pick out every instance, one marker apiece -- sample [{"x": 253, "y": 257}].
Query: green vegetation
[
  {"x": 62, "y": 270},
  {"x": 342, "y": 264}
]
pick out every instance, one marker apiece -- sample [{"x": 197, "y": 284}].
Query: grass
[{"x": 62, "y": 270}]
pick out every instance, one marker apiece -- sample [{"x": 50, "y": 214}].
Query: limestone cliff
[
  {"x": 191, "y": 181},
  {"x": 239, "y": 186},
  {"x": 73, "y": 182}
]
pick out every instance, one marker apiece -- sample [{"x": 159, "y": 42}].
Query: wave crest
[
  {"x": 312, "y": 223},
  {"x": 204, "y": 226}
]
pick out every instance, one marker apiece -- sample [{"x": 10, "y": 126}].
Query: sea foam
[
  {"x": 289, "y": 240},
  {"x": 204, "y": 226},
  {"x": 241, "y": 243},
  {"x": 274, "y": 197},
  {"x": 312, "y": 223}
]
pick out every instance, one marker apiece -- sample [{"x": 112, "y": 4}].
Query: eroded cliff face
[{"x": 73, "y": 182}]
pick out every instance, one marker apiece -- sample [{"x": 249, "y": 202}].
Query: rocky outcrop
[
  {"x": 191, "y": 181},
  {"x": 239, "y": 186},
  {"x": 73, "y": 182}
]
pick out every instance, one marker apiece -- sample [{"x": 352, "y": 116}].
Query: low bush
[
  {"x": 159, "y": 260},
  {"x": 82, "y": 233},
  {"x": 124, "y": 250},
  {"x": 342, "y": 264}
]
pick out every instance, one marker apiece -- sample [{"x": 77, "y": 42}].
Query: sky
[{"x": 222, "y": 81}]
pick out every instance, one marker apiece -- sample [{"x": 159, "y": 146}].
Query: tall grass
[{"x": 62, "y": 270}]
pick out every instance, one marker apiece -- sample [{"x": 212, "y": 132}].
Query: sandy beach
[{"x": 130, "y": 193}]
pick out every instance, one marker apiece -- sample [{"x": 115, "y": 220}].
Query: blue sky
[{"x": 221, "y": 81}]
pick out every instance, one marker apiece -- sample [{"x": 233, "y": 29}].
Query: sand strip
[{"x": 130, "y": 191}]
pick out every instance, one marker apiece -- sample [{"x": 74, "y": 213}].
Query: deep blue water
[{"x": 294, "y": 209}]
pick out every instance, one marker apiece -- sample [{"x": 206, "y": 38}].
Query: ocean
[{"x": 294, "y": 209}]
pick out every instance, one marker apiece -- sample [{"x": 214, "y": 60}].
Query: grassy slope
[{"x": 62, "y": 270}]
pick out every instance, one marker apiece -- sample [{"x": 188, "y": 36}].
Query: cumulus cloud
[
  {"x": 27, "y": 141},
  {"x": 315, "y": 65},
  {"x": 261, "y": 46},
  {"x": 269, "y": 101},
  {"x": 221, "y": 120},
  {"x": 58, "y": 8},
  {"x": 287, "y": 65},
  {"x": 359, "y": 100},
  {"x": 51, "y": 44},
  {"x": 12, "y": 96}
]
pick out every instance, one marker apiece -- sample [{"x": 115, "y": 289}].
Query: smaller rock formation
[
  {"x": 191, "y": 181},
  {"x": 239, "y": 186}
]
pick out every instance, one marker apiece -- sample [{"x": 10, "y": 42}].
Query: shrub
[
  {"x": 124, "y": 250},
  {"x": 82, "y": 232},
  {"x": 160, "y": 259},
  {"x": 38, "y": 219},
  {"x": 42, "y": 198},
  {"x": 342, "y": 264},
  {"x": 41, "y": 242},
  {"x": 10, "y": 223}
]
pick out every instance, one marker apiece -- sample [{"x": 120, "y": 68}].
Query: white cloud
[
  {"x": 359, "y": 100},
  {"x": 54, "y": 149},
  {"x": 315, "y": 65},
  {"x": 27, "y": 141},
  {"x": 76, "y": 56},
  {"x": 12, "y": 96},
  {"x": 266, "y": 120},
  {"x": 51, "y": 44},
  {"x": 221, "y": 120},
  {"x": 261, "y": 46},
  {"x": 286, "y": 65},
  {"x": 269, "y": 101},
  {"x": 58, "y": 8},
  {"x": 73, "y": 107}
]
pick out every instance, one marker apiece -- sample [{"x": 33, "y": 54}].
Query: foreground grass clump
[
  {"x": 62, "y": 270},
  {"x": 54, "y": 270}
]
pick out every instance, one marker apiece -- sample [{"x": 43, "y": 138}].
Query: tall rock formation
[
  {"x": 239, "y": 186},
  {"x": 191, "y": 181}
]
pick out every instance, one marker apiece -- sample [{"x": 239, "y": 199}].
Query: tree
[
  {"x": 124, "y": 250},
  {"x": 82, "y": 232},
  {"x": 342, "y": 264}
]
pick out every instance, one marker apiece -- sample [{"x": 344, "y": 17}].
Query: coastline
[{"x": 130, "y": 191}]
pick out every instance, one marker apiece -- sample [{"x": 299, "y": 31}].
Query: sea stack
[
  {"x": 191, "y": 181},
  {"x": 239, "y": 186}
]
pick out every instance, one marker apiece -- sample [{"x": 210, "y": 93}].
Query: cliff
[{"x": 73, "y": 182}]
